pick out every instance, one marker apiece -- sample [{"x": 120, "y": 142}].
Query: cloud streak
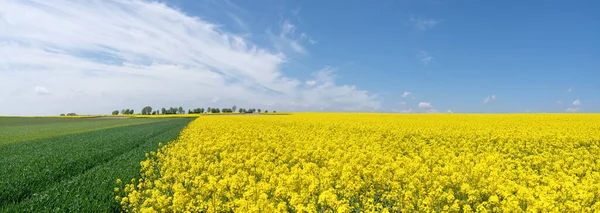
[
  {"x": 103, "y": 55},
  {"x": 425, "y": 105},
  {"x": 425, "y": 57},
  {"x": 423, "y": 24},
  {"x": 489, "y": 99}
]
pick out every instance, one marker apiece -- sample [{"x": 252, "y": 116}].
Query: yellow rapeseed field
[{"x": 343, "y": 162}]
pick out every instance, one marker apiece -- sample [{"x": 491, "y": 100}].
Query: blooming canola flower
[{"x": 349, "y": 162}]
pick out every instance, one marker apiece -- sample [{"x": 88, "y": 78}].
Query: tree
[
  {"x": 209, "y": 110},
  {"x": 274, "y": 111},
  {"x": 233, "y": 108},
  {"x": 62, "y": 114},
  {"x": 201, "y": 110},
  {"x": 241, "y": 110},
  {"x": 258, "y": 110},
  {"x": 189, "y": 111},
  {"x": 163, "y": 111},
  {"x": 266, "y": 111},
  {"x": 146, "y": 110},
  {"x": 116, "y": 112},
  {"x": 180, "y": 110}
]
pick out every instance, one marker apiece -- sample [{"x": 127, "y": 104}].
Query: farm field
[
  {"x": 15, "y": 129},
  {"x": 342, "y": 162},
  {"x": 72, "y": 164}
]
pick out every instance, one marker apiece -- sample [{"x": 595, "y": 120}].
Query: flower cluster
[{"x": 342, "y": 162}]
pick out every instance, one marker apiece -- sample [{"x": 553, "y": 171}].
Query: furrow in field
[
  {"x": 88, "y": 192},
  {"x": 31, "y": 167},
  {"x": 14, "y": 130}
]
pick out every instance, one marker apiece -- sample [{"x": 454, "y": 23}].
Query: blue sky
[{"x": 385, "y": 56}]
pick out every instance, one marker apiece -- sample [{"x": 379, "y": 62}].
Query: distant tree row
[
  {"x": 196, "y": 111},
  {"x": 172, "y": 110},
  {"x": 69, "y": 114},
  {"x": 179, "y": 110},
  {"x": 242, "y": 110},
  {"x": 127, "y": 112}
]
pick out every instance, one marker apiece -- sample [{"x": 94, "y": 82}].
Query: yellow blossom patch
[{"x": 343, "y": 162}]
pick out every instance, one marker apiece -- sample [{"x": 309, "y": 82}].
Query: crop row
[{"x": 76, "y": 172}]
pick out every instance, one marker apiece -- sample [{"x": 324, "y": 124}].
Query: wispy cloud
[
  {"x": 489, "y": 99},
  {"x": 41, "y": 90},
  {"x": 449, "y": 112},
  {"x": 287, "y": 29},
  {"x": 576, "y": 106},
  {"x": 238, "y": 21},
  {"x": 572, "y": 109},
  {"x": 570, "y": 89},
  {"x": 423, "y": 23},
  {"x": 425, "y": 57},
  {"x": 431, "y": 111},
  {"x": 406, "y": 94},
  {"x": 133, "y": 53},
  {"x": 296, "y": 12},
  {"x": 425, "y": 105},
  {"x": 290, "y": 38}
]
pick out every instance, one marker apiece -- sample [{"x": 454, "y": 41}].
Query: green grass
[
  {"x": 77, "y": 172},
  {"x": 15, "y": 129}
]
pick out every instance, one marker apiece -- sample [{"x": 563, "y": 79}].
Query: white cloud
[
  {"x": 305, "y": 36},
  {"x": 559, "y": 102},
  {"x": 425, "y": 105},
  {"x": 425, "y": 58},
  {"x": 577, "y": 103},
  {"x": 296, "y": 11},
  {"x": 489, "y": 99},
  {"x": 297, "y": 47},
  {"x": 287, "y": 28},
  {"x": 431, "y": 111},
  {"x": 450, "y": 112},
  {"x": 327, "y": 74},
  {"x": 406, "y": 111},
  {"x": 570, "y": 89},
  {"x": 238, "y": 20},
  {"x": 290, "y": 39},
  {"x": 41, "y": 90},
  {"x": 311, "y": 83},
  {"x": 406, "y": 94},
  {"x": 572, "y": 109},
  {"x": 423, "y": 24},
  {"x": 403, "y": 103},
  {"x": 98, "y": 56}
]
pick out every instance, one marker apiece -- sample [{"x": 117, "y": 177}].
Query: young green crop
[
  {"x": 15, "y": 129},
  {"x": 76, "y": 172}
]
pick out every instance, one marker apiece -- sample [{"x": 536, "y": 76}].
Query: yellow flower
[{"x": 369, "y": 162}]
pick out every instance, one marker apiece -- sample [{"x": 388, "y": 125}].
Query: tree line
[{"x": 148, "y": 110}]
